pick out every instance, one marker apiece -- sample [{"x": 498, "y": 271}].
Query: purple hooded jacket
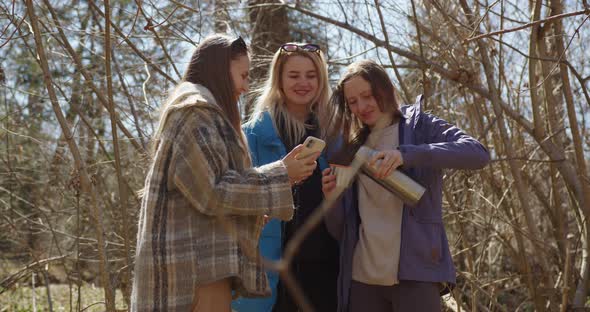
[{"x": 428, "y": 145}]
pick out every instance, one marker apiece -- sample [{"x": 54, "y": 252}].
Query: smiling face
[
  {"x": 299, "y": 82},
  {"x": 239, "y": 69},
  {"x": 362, "y": 102}
]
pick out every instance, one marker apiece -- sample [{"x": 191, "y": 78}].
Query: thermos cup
[{"x": 408, "y": 190}]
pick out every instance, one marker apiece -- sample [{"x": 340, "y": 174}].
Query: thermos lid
[{"x": 364, "y": 154}]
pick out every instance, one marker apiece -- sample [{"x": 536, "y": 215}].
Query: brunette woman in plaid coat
[{"x": 203, "y": 203}]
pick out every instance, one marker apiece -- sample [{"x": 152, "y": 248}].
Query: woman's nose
[
  {"x": 304, "y": 81},
  {"x": 245, "y": 86},
  {"x": 361, "y": 106}
]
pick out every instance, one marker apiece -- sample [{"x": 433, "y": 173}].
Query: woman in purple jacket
[{"x": 393, "y": 256}]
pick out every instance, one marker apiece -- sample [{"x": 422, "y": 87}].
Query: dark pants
[
  {"x": 317, "y": 280},
  {"x": 405, "y": 296}
]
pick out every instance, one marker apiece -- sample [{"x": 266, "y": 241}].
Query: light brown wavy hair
[{"x": 346, "y": 129}]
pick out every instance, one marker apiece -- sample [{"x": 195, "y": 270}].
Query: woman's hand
[
  {"x": 299, "y": 169},
  {"x": 385, "y": 162},
  {"x": 328, "y": 182}
]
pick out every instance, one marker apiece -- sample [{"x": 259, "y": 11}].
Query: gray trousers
[{"x": 404, "y": 297}]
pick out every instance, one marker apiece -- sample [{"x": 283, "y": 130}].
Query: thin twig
[
  {"x": 123, "y": 198},
  {"x": 14, "y": 32},
  {"x": 406, "y": 93},
  {"x": 135, "y": 49},
  {"x": 425, "y": 81},
  {"x": 549, "y": 19},
  {"x": 7, "y": 282},
  {"x": 77, "y": 60},
  {"x": 157, "y": 38}
]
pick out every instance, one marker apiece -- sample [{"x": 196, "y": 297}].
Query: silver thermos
[{"x": 408, "y": 190}]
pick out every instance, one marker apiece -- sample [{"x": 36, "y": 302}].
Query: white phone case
[{"x": 310, "y": 146}]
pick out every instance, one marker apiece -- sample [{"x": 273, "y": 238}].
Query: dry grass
[{"x": 24, "y": 298}]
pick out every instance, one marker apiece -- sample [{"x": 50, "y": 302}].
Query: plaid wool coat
[{"x": 201, "y": 170}]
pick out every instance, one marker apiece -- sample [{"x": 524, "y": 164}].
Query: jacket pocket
[
  {"x": 426, "y": 211},
  {"x": 425, "y": 247}
]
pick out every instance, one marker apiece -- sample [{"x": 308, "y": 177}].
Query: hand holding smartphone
[
  {"x": 311, "y": 145},
  {"x": 299, "y": 163}
]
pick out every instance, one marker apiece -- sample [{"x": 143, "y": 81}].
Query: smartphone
[
  {"x": 344, "y": 175},
  {"x": 311, "y": 145}
]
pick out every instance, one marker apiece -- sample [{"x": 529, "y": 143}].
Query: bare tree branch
[{"x": 534, "y": 23}]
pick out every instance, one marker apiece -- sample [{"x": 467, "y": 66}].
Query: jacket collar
[
  {"x": 197, "y": 93},
  {"x": 410, "y": 120},
  {"x": 411, "y": 113},
  {"x": 265, "y": 130}
]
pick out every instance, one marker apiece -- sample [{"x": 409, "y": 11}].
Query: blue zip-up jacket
[
  {"x": 266, "y": 147},
  {"x": 428, "y": 145}
]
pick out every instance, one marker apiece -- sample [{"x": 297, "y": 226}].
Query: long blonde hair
[{"x": 271, "y": 98}]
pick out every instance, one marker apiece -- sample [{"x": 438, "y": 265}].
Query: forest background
[{"x": 81, "y": 82}]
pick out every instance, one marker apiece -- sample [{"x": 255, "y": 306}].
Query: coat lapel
[
  {"x": 269, "y": 138},
  {"x": 408, "y": 124}
]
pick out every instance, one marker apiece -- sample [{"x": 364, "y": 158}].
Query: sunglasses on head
[
  {"x": 239, "y": 42},
  {"x": 307, "y": 47}
]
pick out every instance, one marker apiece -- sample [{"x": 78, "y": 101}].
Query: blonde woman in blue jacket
[{"x": 289, "y": 109}]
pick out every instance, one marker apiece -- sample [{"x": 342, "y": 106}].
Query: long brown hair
[
  {"x": 342, "y": 124},
  {"x": 210, "y": 67}
]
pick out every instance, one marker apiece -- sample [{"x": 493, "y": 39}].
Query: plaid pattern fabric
[{"x": 201, "y": 171}]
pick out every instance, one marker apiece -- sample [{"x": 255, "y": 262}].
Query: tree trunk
[
  {"x": 584, "y": 198},
  {"x": 270, "y": 29}
]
